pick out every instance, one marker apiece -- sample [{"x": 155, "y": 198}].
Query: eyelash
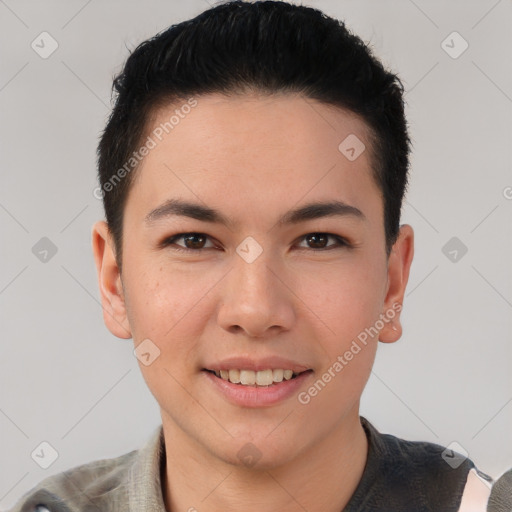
[{"x": 341, "y": 242}]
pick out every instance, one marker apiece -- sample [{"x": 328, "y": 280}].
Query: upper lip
[{"x": 256, "y": 365}]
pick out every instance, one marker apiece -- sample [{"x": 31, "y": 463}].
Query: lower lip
[{"x": 252, "y": 396}]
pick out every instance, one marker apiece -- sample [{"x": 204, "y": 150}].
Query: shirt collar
[{"x": 145, "y": 483}]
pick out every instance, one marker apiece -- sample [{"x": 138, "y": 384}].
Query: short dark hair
[{"x": 266, "y": 46}]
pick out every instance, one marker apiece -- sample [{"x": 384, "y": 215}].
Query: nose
[{"x": 256, "y": 299}]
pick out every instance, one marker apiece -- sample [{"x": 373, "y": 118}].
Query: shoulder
[
  {"x": 83, "y": 487},
  {"x": 417, "y": 475},
  {"x": 117, "y": 484},
  {"x": 430, "y": 460}
]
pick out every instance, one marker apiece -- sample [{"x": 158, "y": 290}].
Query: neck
[{"x": 321, "y": 479}]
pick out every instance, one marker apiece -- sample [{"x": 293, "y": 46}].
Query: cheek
[
  {"x": 167, "y": 306},
  {"x": 164, "y": 307},
  {"x": 347, "y": 298}
]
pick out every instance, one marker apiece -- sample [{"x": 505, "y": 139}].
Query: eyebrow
[{"x": 310, "y": 211}]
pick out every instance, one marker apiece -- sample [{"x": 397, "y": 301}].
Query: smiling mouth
[{"x": 262, "y": 378}]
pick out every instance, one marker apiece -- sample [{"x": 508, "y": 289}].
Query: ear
[
  {"x": 109, "y": 279},
  {"x": 399, "y": 264}
]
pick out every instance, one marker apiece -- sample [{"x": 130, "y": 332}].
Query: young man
[{"x": 252, "y": 173}]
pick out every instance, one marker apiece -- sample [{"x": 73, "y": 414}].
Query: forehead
[
  {"x": 288, "y": 122},
  {"x": 254, "y": 150}
]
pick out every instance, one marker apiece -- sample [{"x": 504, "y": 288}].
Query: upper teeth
[{"x": 251, "y": 378}]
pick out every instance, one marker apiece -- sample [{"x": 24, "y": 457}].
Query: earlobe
[
  {"x": 109, "y": 281},
  {"x": 399, "y": 265}
]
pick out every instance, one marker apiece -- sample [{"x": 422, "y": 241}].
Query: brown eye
[
  {"x": 192, "y": 241},
  {"x": 319, "y": 241}
]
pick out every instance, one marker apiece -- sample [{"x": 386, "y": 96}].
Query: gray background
[{"x": 66, "y": 380}]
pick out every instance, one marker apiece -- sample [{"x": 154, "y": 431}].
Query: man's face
[{"x": 256, "y": 294}]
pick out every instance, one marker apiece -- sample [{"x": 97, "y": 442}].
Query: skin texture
[{"x": 254, "y": 158}]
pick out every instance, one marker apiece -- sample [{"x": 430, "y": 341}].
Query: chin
[{"x": 258, "y": 453}]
